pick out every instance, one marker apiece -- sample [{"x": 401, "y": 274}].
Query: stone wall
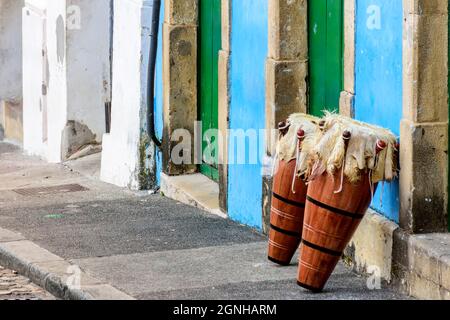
[
  {"x": 180, "y": 80},
  {"x": 424, "y": 128}
]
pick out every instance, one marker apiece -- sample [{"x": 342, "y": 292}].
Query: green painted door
[
  {"x": 325, "y": 29},
  {"x": 210, "y": 44}
]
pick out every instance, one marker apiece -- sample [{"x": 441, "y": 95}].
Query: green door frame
[
  {"x": 326, "y": 54},
  {"x": 210, "y": 42}
]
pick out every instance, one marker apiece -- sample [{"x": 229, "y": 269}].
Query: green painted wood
[
  {"x": 209, "y": 45},
  {"x": 325, "y": 29}
]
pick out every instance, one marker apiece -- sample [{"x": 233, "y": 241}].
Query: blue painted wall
[
  {"x": 379, "y": 78},
  {"x": 247, "y": 109},
  {"x": 159, "y": 122}
]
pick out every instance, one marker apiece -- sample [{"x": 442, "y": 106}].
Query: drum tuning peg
[
  {"x": 284, "y": 126},
  {"x": 301, "y": 134},
  {"x": 381, "y": 145},
  {"x": 322, "y": 125},
  {"x": 347, "y": 135}
]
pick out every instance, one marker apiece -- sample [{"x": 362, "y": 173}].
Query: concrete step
[
  {"x": 195, "y": 190},
  {"x": 421, "y": 264}
]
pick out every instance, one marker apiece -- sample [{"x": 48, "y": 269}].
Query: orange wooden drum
[
  {"x": 288, "y": 206},
  {"x": 286, "y": 219},
  {"x": 350, "y": 160},
  {"x": 331, "y": 220}
]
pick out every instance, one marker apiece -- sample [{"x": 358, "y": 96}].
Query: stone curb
[
  {"x": 48, "y": 281},
  {"x": 19, "y": 254},
  {"x": 421, "y": 264}
]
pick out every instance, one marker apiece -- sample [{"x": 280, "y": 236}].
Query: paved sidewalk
[
  {"x": 16, "y": 287},
  {"x": 132, "y": 245}
]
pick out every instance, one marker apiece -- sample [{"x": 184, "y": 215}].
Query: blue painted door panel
[
  {"x": 247, "y": 109},
  {"x": 378, "y": 81}
]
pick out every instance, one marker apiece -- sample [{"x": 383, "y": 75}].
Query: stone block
[
  {"x": 425, "y": 7},
  {"x": 288, "y": 25},
  {"x": 226, "y": 25},
  {"x": 445, "y": 272},
  {"x": 421, "y": 288},
  {"x": 423, "y": 261},
  {"x": 180, "y": 93},
  {"x": 347, "y": 104},
  {"x": 286, "y": 89},
  {"x": 425, "y": 72},
  {"x": 445, "y": 294},
  {"x": 349, "y": 46},
  {"x": 224, "y": 103},
  {"x": 181, "y": 12},
  {"x": 423, "y": 183}
]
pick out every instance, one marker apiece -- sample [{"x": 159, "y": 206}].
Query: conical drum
[
  {"x": 349, "y": 160},
  {"x": 329, "y": 224},
  {"x": 289, "y": 189},
  {"x": 286, "y": 219}
]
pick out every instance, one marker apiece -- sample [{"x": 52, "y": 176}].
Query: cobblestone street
[{"x": 16, "y": 287}]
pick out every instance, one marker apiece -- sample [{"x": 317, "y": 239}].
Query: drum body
[
  {"x": 330, "y": 222},
  {"x": 287, "y": 213}
]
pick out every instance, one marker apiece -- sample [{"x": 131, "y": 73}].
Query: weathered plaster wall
[
  {"x": 378, "y": 79},
  {"x": 66, "y": 75},
  {"x": 88, "y": 65},
  {"x": 11, "y": 50},
  {"x": 249, "y": 40},
  {"x": 44, "y": 77},
  {"x": 55, "y": 75},
  {"x": 128, "y": 155},
  {"x": 11, "y": 70}
]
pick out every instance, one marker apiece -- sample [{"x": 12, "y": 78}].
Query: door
[
  {"x": 325, "y": 29},
  {"x": 210, "y": 44}
]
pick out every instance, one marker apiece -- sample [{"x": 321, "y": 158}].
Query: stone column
[
  {"x": 224, "y": 102},
  {"x": 424, "y": 128},
  {"x": 348, "y": 95},
  {"x": 180, "y": 81},
  {"x": 286, "y": 74},
  {"x": 287, "y": 63}
]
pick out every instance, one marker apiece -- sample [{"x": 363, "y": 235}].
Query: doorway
[
  {"x": 210, "y": 41},
  {"x": 325, "y": 30}
]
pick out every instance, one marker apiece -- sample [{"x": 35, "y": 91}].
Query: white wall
[
  {"x": 56, "y": 77},
  {"x": 88, "y": 67},
  {"x": 124, "y": 146},
  {"x": 11, "y": 50},
  {"x": 33, "y": 44},
  {"x": 76, "y": 71},
  {"x": 45, "y": 113}
]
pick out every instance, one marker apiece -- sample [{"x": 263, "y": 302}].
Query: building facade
[{"x": 227, "y": 72}]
